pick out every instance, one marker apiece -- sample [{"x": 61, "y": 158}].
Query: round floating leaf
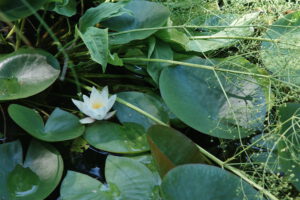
[
  {"x": 197, "y": 181},
  {"x": 45, "y": 161},
  {"x": 16, "y": 9},
  {"x": 164, "y": 143},
  {"x": 126, "y": 179},
  {"x": 10, "y": 156},
  {"x": 150, "y": 104},
  {"x": 26, "y": 72},
  {"x": 289, "y": 142},
  {"x": 60, "y": 126},
  {"x": 112, "y": 137},
  {"x": 283, "y": 58},
  {"x": 36, "y": 179},
  {"x": 143, "y": 14},
  {"x": 22, "y": 182},
  {"x": 196, "y": 96}
]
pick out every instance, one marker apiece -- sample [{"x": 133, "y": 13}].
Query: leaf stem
[
  {"x": 235, "y": 37},
  {"x": 196, "y": 66},
  {"x": 237, "y": 172}
]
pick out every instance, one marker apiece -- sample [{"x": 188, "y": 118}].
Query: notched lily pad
[
  {"x": 60, "y": 126},
  {"x": 26, "y": 72},
  {"x": 35, "y": 178},
  {"x": 197, "y": 181},
  {"x": 148, "y": 103},
  {"x": 282, "y": 58},
  {"x": 197, "y": 97},
  {"x": 126, "y": 179},
  {"x": 112, "y": 137}
]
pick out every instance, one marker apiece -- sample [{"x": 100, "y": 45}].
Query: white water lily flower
[{"x": 97, "y": 106}]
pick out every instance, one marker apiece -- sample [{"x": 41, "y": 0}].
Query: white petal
[
  {"x": 82, "y": 107},
  {"x": 111, "y": 102},
  {"x": 100, "y": 114},
  {"x": 86, "y": 99},
  {"x": 97, "y": 97},
  {"x": 104, "y": 92},
  {"x": 87, "y": 120},
  {"x": 78, "y": 104},
  {"x": 110, "y": 114}
]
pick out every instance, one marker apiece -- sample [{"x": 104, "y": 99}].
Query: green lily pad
[
  {"x": 283, "y": 58},
  {"x": 60, "y": 126},
  {"x": 22, "y": 182},
  {"x": 196, "y": 96},
  {"x": 289, "y": 142},
  {"x": 36, "y": 178},
  {"x": 164, "y": 143},
  {"x": 197, "y": 181},
  {"x": 26, "y": 72},
  {"x": 16, "y": 9},
  {"x": 112, "y": 137},
  {"x": 143, "y": 14},
  {"x": 148, "y": 103},
  {"x": 126, "y": 179}
]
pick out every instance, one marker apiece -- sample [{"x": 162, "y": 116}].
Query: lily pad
[
  {"x": 126, "y": 179},
  {"x": 36, "y": 178},
  {"x": 148, "y": 103},
  {"x": 143, "y": 14},
  {"x": 282, "y": 58},
  {"x": 198, "y": 181},
  {"x": 60, "y": 126},
  {"x": 196, "y": 96},
  {"x": 112, "y": 137},
  {"x": 26, "y": 72},
  {"x": 16, "y": 9},
  {"x": 164, "y": 143},
  {"x": 289, "y": 142}
]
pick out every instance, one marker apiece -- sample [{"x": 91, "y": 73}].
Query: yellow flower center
[{"x": 97, "y": 105}]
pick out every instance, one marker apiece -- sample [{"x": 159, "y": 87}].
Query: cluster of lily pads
[{"x": 179, "y": 78}]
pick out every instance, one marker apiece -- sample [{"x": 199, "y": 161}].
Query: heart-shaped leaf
[
  {"x": 282, "y": 58},
  {"x": 204, "y": 45},
  {"x": 148, "y": 103},
  {"x": 102, "y": 12},
  {"x": 26, "y": 72},
  {"x": 197, "y": 97},
  {"x": 126, "y": 179},
  {"x": 161, "y": 50},
  {"x": 36, "y": 178},
  {"x": 197, "y": 181},
  {"x": 16, "y": 9},
  {"x": 10, "y": 156},
  {"x": 143, "y": 14},
  {"x": 66, "y": 7},
  {"x": 60, "y": 126},
  {"x": 112, "y": 137},
  {"x": 96, "y": 40},
  {"x": 164, "y": 143}
]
